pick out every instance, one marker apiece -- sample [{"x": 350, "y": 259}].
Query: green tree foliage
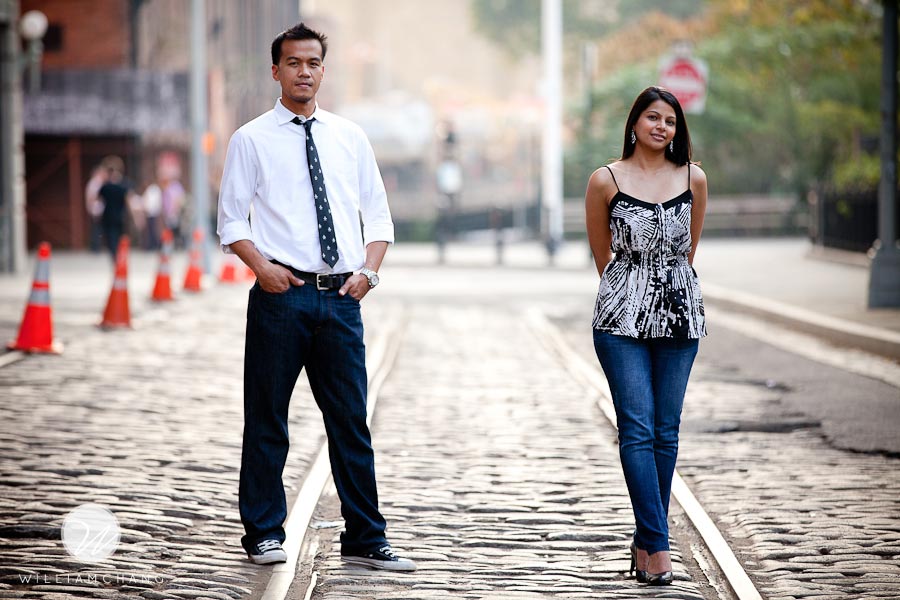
[
  {"x": 515, "y": 24},
  {"x": 793, "y": 94}
]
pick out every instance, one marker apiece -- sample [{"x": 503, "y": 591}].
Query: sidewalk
[{"x": 777, "y": 278}]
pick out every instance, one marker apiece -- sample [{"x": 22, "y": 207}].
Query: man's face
[{"x": 300, "y": 70}]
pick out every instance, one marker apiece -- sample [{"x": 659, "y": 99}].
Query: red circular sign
[{"x": 686, "y": 78}]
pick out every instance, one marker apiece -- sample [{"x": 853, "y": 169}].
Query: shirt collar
[{"x": 284, "y": 115}]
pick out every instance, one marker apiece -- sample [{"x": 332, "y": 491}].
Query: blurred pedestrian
[
  {"x": 118, "y": 203},
  {"x": 172, "y": 216},
  {"x": 94, "y": 205},
  {"x": 449, "y": 180},
  {"x": 151, "y": 201},
  {"x": 644, "y": 217},
  {"x": 317, "y": 238},
  {"x": 496, "y": 218}
]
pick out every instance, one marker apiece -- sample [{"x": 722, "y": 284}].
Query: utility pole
[
  {"x": 884, "y": 274},
  {"x": 12, "y": 158},
  {"x": 199, "y": 125},
  {"x": 551, "y": 180}
]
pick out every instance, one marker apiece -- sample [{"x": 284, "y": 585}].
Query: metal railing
[
  {"x": 844, "y": 219},
  {"x": 731, "y": 216}
]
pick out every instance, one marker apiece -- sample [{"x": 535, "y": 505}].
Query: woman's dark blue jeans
[
  {"x": 322, "y": 331},
  {"x": 647, "y": 379}
]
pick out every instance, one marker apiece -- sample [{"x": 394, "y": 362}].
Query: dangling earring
[
  {"x": 672, "y": 146},
  {"x": 633, "y": 137}
]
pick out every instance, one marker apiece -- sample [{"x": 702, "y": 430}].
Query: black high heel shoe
[
  {"x": 664, "y": 578},
  {"x": 639, "y": 574}
]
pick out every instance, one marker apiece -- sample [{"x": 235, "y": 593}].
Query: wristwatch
[{"x": 371, "y": 275}]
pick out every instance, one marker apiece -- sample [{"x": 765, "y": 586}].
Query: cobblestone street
[
  {"x": 147, "y": 423},
  {"x": 808, "y": 520},
  {"x": 497, "y": 475}
]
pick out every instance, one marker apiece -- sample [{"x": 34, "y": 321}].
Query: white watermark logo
[
  {"x": 142, "y": 579},
  {"x": 90, "y": 533}
]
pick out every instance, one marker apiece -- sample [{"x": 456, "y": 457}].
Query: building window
[{"x": 53, "y": 39}]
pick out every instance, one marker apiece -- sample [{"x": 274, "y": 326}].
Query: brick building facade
[{"x": 115, "y": 81}]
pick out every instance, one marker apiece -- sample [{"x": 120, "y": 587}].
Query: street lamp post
[
  {"x": 12, "y": 158},
  {"x": 884, "y": 274},
  {"x": 10, "y": 99},
  {"x": 33, "y": 26},
  {"x": 551, "y": 186},
  {"x": 199, "y": 126}
]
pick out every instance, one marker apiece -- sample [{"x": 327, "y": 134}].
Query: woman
[
  {"x": 119, "y": 204},
  {"x": 644, "y": 217}
]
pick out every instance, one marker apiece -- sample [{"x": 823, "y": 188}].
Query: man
[{"x": 310, "y": 177}]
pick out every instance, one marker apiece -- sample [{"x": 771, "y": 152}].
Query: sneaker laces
[
  {"x": 388, "y": 551},
  {"x": 266, "y": 545}
]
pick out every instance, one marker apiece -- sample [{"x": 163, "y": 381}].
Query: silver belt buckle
[{"x": 319, "y": 285}]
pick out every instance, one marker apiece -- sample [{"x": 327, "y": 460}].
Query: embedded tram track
[
  {"x": 382, "y": 357},
  {"x": 591, "y": 378},
  {"x": 302, "y": 546}
]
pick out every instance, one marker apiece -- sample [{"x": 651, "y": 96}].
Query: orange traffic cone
[
  {"x": 36, "y": 332},
  {"x": 229, "y": 271},
  {"x": 117, "y": 313},
  {"x": 162, "y": 289},
  {"x": 249, "y": 275},
  {"x": 195, "y": 270}
]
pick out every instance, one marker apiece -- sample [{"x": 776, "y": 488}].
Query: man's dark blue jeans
[
  {"x": 647, "y": 379},
  {"x": 322, "y": 331}
]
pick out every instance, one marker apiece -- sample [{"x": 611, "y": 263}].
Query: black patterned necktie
[{"x": 327, "y": 239}]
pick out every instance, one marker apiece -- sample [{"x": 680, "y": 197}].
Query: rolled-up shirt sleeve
[
  {"x": 236, "y": 192},
  {"x": 373, "y": 205}
]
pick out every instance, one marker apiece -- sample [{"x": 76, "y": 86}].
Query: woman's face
[{"x": 656, "y": 125}]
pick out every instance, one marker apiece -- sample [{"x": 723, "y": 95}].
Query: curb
[{"x": 837, "y": 331}]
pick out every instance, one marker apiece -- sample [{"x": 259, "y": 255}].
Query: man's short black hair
[{"x": 297, "y": 32}]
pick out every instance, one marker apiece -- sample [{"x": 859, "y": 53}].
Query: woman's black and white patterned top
[{"x": 649, "y": 289}]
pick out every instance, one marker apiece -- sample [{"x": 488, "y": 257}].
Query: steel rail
[{"x": 591, "y": 376}]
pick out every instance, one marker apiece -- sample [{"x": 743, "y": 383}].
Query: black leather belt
[{"x": 322, "y": 281}]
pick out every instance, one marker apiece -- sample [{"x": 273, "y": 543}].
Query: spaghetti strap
[
  {"x": 614, "y": 178},
  {"x": 689, "y": 175}
]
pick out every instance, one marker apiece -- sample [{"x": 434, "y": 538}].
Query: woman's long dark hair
[{"x": 681, "y": 155}]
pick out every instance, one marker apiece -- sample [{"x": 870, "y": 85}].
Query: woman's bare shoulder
[
  {"x": 697, "y": 173},
  {"x": 604, "y": 175},
  {"x": 602, "y": 184}
]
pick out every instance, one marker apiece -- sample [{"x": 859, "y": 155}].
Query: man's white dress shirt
[{"x": 266, "y": 177}]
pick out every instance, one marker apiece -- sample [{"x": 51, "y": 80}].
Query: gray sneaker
[
  {"x": 382, "y": 558},
  {"x": 267, "y": 552}
]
